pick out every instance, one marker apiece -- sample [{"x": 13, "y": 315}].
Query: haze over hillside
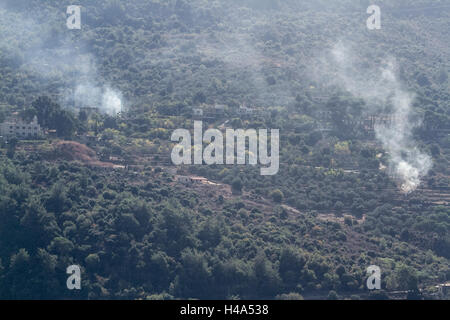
[{"x": 364, "y": 149}]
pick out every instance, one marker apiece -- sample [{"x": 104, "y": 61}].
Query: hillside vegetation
[{"x": 100, "y": 192}]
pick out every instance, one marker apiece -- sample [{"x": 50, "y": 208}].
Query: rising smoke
[
  {"x": 380, "y": 88},
  {"x": 56, "y": 55},
  {"x": 108, "y": 100}
]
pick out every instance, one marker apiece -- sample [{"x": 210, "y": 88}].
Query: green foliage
[
  {"x": 138, "y": 235},
  {"x": 236, "y": 185},
  {"x": 50, "y": 115},
  {"x": 277, "y": 196}
]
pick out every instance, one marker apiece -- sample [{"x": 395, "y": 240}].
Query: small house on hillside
[
  {"x": 198, "y": 180},
  {"x": 197, "y": 112},
  {"x": 51, "y": 133},
  {"x": 187, "y": 180},
  {"x": 444, "y": 289},
  {"x": 183, "y": 179},
  {"x": 220, "y": 108},
  {"x": 16, "y": 127},
  {"x": 244, "y": 110}
]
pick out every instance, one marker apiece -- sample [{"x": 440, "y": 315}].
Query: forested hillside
[{"x": 98, "y": 188}]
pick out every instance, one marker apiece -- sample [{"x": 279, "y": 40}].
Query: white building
[
  {"x": 219, "y": 108},
  {"x": 90, "y": 110},
  {"x": 197, "y": 112},
  {"x": 15, "y": 127},
  {"x": 444, "y": 289},
  {"x": 188, "y": 180},
  {"x": 184, "y": 179},
  {"x": 245, "y": 110}
]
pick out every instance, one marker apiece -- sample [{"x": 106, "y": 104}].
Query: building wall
[
  {"x": 184, "y": 179},
  {"x": 19, "y": 128}
]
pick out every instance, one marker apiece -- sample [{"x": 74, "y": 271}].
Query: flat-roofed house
[
  {"x": 444, "y": 289},
  {"x": 198, "y": 180},
  {"x": 219, "y": 108},
  {"x": 16, "y": 127},
  {"x": 188, "y": 180},
  {"x": 197, "y": 112},
  {"x": 244, "y": 110},
  {"x": 184, "y": 179}
]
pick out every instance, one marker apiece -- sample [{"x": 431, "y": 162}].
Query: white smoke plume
[
  {"x": 379, "y": 86},
  {"x": 105, "y": 98},
  {"x": 111, "y": 101},
  {"x": 50, "y": 52}
]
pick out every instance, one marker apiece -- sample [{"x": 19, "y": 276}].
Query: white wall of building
[{"x": 20, "y": 128}]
